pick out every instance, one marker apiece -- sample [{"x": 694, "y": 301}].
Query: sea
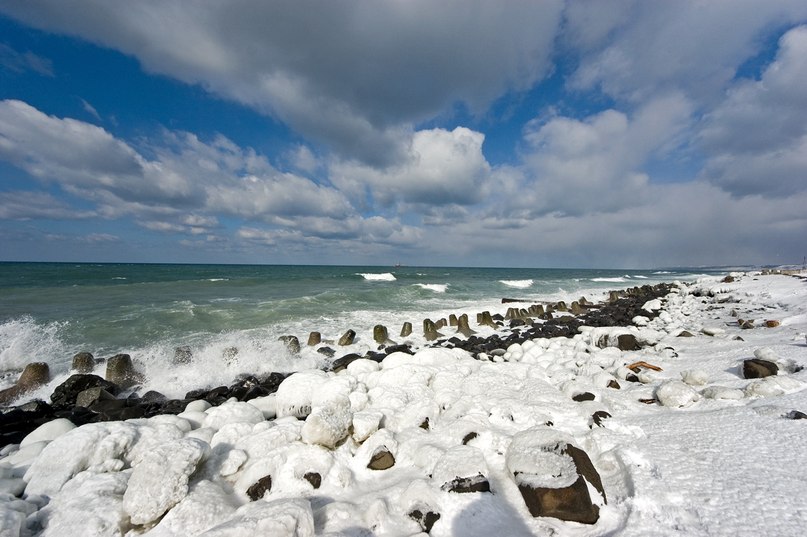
[{"x": 231, "y": 316}]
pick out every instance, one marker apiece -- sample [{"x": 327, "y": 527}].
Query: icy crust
[{"x": 659, "y": 425}]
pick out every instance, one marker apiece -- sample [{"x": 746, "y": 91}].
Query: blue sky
[{"x": 546, "y": 134}]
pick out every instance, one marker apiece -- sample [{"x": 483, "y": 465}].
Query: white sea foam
[
  {"x": 609, "y": 280},
  {"x": 218, "y": 279},
  {"x": 436, "y": 287},
  {"x": 517, "y": 284},
  {"x": 23, "y": 340},
  {"x": 384, "y": 277},
  {"x": 639, "y": 276}
]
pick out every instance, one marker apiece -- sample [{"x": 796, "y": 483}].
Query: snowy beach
[{"x": 692, "y": 430}]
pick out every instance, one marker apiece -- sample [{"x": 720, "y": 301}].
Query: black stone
[
  {"x": 585, "y": 396},
  {"x": 755, "y": 368},
  {"x": 314, "y": 478},
  {"x": 464, "y": 485},
  {"x": 259, "y": 488},
  {"x": 65, "y": 394},
  {"x": 426, "y": 520}
]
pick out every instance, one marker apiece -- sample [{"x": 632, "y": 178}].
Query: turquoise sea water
[{"x": 50, "y": 311}]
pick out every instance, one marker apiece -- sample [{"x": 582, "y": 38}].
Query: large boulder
[
  {"x": 66, "y": 393},
  {"x": 552, "y": 474},
  {"x": 35, "y": 375},
  {"x": 756, "y": 368}
]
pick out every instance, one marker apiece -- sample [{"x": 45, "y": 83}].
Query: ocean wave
[
  {"x": 663, "y": 272},
  {"x": 119, "y": 278},
  {"x": 436, "y": 287},
  {"x": 23, "y": 340},
  {"x": 218, "y": 279},
  {"x": 517, "y": 284},
  {"x": 639, "y": 276},
  {"x": 384, "y": 277},
  {"x": 609, "y": 280}
]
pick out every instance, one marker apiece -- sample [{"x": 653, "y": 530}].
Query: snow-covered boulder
[
  {"x": 279, "y": 518},
  {"x": 48, "y": 431},
  {"x": 160, "y": 480},
  {"x": 294, "y": 395},
  {"x": 676, "y": 394}
]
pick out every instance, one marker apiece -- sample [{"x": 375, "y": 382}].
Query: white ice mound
[
  {"x": 232, "y": 412},
  {"x": 294, "y": 395},
  {"x": 772, "y": 386},
  {"x": 48, "y": 431},
  {"x": 95, "y": 445},
  {"x": 279, "y": 518},
  {"x": 676, "y": 394},
  {"x": 160, "y": 481},
  {"x": 203, "y": 508},
  {"x": 90, "y": 504},
  {"x": 536, "y": 458},
  {"x": 459, "y": 462},
  {"x": 327, "y": 425},
  {"x": 695, "y": 377}
]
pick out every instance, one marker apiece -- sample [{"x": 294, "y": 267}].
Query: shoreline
[{"x": 589, "y": 382}]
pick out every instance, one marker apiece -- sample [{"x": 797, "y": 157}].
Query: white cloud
[
  {"x": 28, "y": 205},
  {"x": 19, "y": 62},
  {"x": 634, "y": 49},
  {"x": 442, "y": 167},
  {"x": 355, "y": 75},
  {"x": 757, "y": 137}
]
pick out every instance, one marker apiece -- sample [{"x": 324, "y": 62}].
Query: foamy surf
[
  {"x": 609, "y": 280},
  {"x": 436, "y": 287},
  {"x": 517, "y": 284},
  {"x": 384, "y": 277}
]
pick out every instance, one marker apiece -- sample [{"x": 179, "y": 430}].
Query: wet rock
[
  {"x": 486, "y": 320},
  {"x": 341, "y": 363},
  {"x": 153, "y": 396},
  {"x": 83, "y": 362},
  {"x": 381, "y": 460},
  {"x": 399, "y": 348},
  {"x": 772, "y": 323},
  {"x": 465, "y": 485},
  {"x": 585, "y": 396},
  {"x": 17, "y": 423},
  {"x": 406, "y": 329},
  {"x": 91, "y": 395},
  {"x": 426, "y": 520},
  {"x": 755, "y": 368},
  {"x": 183, "y": 355},
  {"x": 35, "y": 375},
  {"x": 314, "y": 338},
  {"x": 381, "y": 334},
  {"x": 347, "y": 338},
  {"x": 430, "y": 330},
  {"x": 728, "y": 279},
  {"x": 452, "y": 320},
  {"x": 468, "y": 437},
  {"x": 463, "y": 327},
  {"x": 613, "y": 384},
  {"x": 796, "y": 415},
  {"x": 259, "y": 488},
  {"x": 291, "y": 343},
  {"x": 327, "y": 351},
  {"x": 66, "y": 393},
  {"x": 120, "y": 370}
]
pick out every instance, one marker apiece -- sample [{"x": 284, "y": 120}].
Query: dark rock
[
  {"x": 89, "y": 396},
  {"x": 381, "y": 334},
  {"x": 183, "y": 355},
  {"x": 17, "y": 423},
  {"x": 83, "y": 362},
  {"x": 327, "y": 351},
  {"x": 314, "y": 338},
  {"x": 463, "y": 326},
  {"x": 728, "y": 279},
  {"x": 430, "y": 330},
  {"x": 572, "y": 503},
  {"x": 152, "y": 396},
  {"x": 347, "y": 338},
  {"x": 585, "y": 396},
  {"x": 613, "y": 384},
  {"x": 272, "y": 382},
  {"x": 174, "y": 406},
  {"x": 755, "y": 368},
  {"x": 599, "y": 416},
  {"x": 399, "y": 348},
  {"x": 65, "y": 394},
  {"x": 314, "y": 478},
  {"x": 685, "y": 333},
  {"x": 425, "y": 424},
  {"x": 291, "y": 343},
  {"x": 796, "y": 415},
  {"x": 341, "y": 363},
  {"x": 468, "y": 437},
  {"x": 426, "y": 520},
  {"x": 381, "y": 460},
  {"x": 627, "y": 342},
  {"x": 464, "y": 485},
  {"x": 259, "y": 488},
  {"x": 772, "y": 323}
]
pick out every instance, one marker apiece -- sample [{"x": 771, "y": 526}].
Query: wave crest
[
  {"x": 436, "y": 287},
  {"x": 384, "y": 277},
  {"x": 517, "y": 284}
]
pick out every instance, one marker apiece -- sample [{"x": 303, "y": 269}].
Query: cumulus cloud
[
  {"x": 442, "y": 167},
  {"x": 757, "y": 137},
  {"x": 596, "y": 164},
  {"x": 352, "y": 74}
]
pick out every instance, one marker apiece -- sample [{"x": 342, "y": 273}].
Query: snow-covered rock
[
  {"x": 48, "y": 431},
  {"x": 676, "y": 394},
  {"x": 160, "y": 480}
]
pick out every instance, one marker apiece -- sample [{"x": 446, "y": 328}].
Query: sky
[{"x": 598, "y": 134}]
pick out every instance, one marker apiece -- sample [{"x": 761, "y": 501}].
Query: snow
[{"x": 691, "y": 450}]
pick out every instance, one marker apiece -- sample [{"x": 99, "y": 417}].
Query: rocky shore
[{"x": 558, "y": 420}]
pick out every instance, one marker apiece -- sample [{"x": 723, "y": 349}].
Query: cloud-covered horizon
[{"x": 635, "y": 134}]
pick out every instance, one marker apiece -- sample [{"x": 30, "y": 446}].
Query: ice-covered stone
[
  {"x": 232, "y": 412},
  {"x": 327, "y": 425},
  {"x": 267, "y": 405},
  {"x": 48, "y": 431},
  {"x": 772, "y": 386},
  {"x": 160, "y": 480},
  {"x": 695, "y": 377},
  {"x": 100, "y": 445},
  {"x": 294, "y": 395},
  {"x": 279, "y": 518},
  {"x": 676, "y": 394},
  {"x": 722, "y": 392},
  {"x": 205, "y": 506}
]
